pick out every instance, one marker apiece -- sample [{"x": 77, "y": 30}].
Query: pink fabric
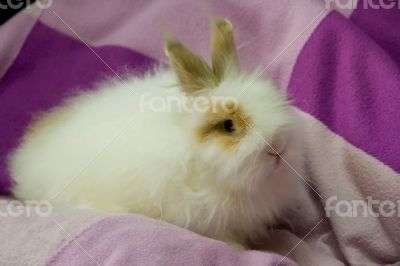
[
  {"x": 31, "y": 237},
  {"x": 338, "y": 169},
  {"x": 136, "y": 240},
  {"x": 266, "y": 31},
  {"x": 333, "y": 165}
]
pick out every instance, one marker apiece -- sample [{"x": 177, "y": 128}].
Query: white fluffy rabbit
[{"x": 133, "y": 147}]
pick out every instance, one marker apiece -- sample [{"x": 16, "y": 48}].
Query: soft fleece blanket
[{"x": 339, "y": 65}]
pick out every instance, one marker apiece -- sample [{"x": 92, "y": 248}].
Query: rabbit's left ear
[
  {"x": 224, "y": 54},
  {"x": 193, "y": 72}
]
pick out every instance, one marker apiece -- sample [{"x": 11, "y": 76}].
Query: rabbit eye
[{"x": 228, "y": 126}]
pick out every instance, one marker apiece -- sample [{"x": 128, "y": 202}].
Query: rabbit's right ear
[
  {"x": 224, "y": 54},
  {"x": 193, "y": 72}
]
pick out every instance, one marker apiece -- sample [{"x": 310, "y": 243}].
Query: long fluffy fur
[
  {"x": 108, "y": 155},
  {"x": 107, "y": 150}
]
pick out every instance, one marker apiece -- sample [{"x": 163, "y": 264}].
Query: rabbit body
[{"x": 120, "y": 148}]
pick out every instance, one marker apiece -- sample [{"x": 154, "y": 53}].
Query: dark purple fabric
[
  {"x": 49, "y": 67},
  {"x": 382, "y": 25},
  {"x": 351, "y": 83}
]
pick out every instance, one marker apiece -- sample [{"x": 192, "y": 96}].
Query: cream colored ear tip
[
  {"x": 223, "y": 24},
  {"x": 172, "y": 45}
]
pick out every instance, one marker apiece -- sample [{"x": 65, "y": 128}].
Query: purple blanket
[{"x": 338, "y": 62}]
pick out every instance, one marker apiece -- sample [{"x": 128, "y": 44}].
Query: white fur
[{"x": 108, "y": 155}]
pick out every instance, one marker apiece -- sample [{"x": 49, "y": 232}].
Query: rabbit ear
[
  {"x": 224, "y": 55},
  {"x": 192, "y": 71}
]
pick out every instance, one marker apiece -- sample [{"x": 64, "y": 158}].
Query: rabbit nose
[{"x": 278, "y": 145}]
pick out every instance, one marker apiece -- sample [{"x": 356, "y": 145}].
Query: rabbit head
[{"x": 248, "y": 127}]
